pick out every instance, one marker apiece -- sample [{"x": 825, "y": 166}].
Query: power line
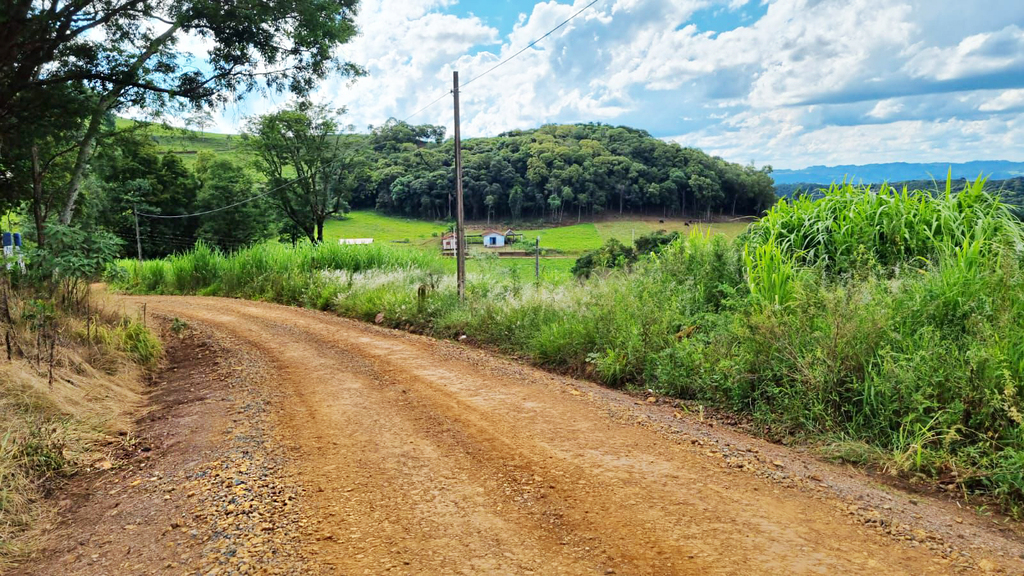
[
  {"x": 229, "y": 206},
  {"x": 505, "y": 61},
  {"x": 256, "y": 197},
  {"x": 530, "y": 45},
  {"x": 438, "y": 99},
  {"x": 247, "y": 200}
]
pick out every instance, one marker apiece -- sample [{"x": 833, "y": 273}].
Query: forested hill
[{"x": 556, "y": 172}]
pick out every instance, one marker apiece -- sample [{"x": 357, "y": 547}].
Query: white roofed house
[{"x": 354, "y": 241}]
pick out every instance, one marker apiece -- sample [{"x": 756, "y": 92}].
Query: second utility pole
[
  {"x": 138, "y": 238},
  {"x": 460, "y": 231}
]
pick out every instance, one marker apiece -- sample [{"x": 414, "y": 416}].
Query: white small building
[
  {"x": 448, "y": 242},
  {"x": 354, "y": 241},
  {"x": 494, "y": 239}
]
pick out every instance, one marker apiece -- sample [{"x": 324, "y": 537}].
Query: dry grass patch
[{"x": 52, "y": 428}]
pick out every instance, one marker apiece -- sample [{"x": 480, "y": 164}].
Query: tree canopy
[
  {"x": 120, "y": 54},
  {"x": 555, "y": 172},
  {"x": 226, "y": 183},
  {"x": 306, "y": 164}
]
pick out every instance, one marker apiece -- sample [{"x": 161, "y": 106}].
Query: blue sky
[{"x": 784, "y": 82}]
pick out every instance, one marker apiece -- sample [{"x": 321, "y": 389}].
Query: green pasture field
[
  {"x": 552, "y": 270},
  {"x": 578, "y": 238},
  {"x": 572, "y": 239},
  {"x": 369, "y": 224}
]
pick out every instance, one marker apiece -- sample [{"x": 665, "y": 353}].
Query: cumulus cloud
[
  {"x": 1001, "y": 51},
  {"x": 408, "y": 48},
  {"x": 1008, "y": 100},
  {"x": 784, "y": 142},
  {"x": 799, "y": 82},
  {"x": 885, "y": 109}
]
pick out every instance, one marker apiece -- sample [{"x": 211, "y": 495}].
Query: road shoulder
[{"x": 199, "y": 486}]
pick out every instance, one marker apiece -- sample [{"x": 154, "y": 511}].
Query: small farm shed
[
  {"x": 353, "y": 241},
  {"x": 448, "y": 242},
  {"x": 494, "y": 239}
]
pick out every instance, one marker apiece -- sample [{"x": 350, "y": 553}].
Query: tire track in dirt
[{"x": 418, "y": 461}]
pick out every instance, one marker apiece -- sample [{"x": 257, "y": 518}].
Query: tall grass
[
  {"x": 269, "y": 271},
  {"x": 850, "y": 227},
  {"x": 889, "y": 325}
]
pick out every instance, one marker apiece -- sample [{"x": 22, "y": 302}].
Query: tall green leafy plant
[
  {"x": 771, "y": 275},
  {"x": 71, "y": 257},
  {"x": 891, "y": 227}
]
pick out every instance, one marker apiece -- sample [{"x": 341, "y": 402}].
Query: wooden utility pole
[
  {"x": 138, "y": 237},
  {"x": 460, "y": 231}
]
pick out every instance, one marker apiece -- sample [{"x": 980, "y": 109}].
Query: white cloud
[
  {"x": 195, "y": 44},
  {"x": 886, "y": 109},
  {"x": 408, "y": 49},
  {"x": 782, "y": 142},
  {"x": 1010, "y": 99},
  {"x": 990, "y": 52},
  {"x": 809, "y": 81}
]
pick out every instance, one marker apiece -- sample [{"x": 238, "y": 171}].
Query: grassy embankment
[
  {"x": 887, "y": 328},
  {"x": 51, "y": 428}
]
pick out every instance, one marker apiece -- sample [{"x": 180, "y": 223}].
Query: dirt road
[{"x": 428, "y": 457}]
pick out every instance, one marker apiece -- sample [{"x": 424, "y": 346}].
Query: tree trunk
[
  {"x": 87, "y": 146},
  {"x": 37, "y": 198},
  {"x": 85, "y": 151}
]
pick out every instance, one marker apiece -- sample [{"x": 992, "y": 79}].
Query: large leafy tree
[
  {"x": 132, "y": 175},
  {"x": 397, "y": 135},
  {"x": 130, "y": 54},
  {"x": 226, "y": 183},
  {"x": 308, "y": 166},
  {"x": 37, "y": 172}
]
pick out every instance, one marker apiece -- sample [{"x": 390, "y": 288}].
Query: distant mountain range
[
  {"x": 900, "y": 171},
  {"x": 1010, "y": 190}
]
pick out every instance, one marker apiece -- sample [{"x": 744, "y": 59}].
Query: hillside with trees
[
  {"x": 312, "y": 170},
  {"x": 557, "y": 172}
]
